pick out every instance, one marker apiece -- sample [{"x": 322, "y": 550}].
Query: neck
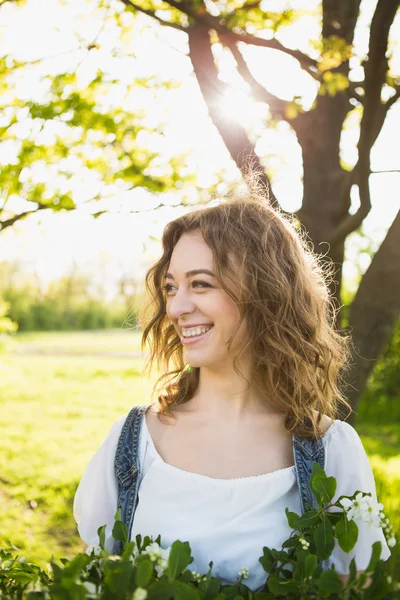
[{"x": 225, "y": 396}]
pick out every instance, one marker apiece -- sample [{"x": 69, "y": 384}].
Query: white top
[{"x": 227, "y": 521}]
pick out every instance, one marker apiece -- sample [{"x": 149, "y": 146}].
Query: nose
[{"x": 179, "y": 305}]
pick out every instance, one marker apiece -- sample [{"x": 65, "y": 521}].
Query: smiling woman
[{"x": 240, "y": 321}]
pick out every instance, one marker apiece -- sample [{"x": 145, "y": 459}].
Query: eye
[
  {"x": 200, "y": 283},
  {"x": 168, "y": 288}
]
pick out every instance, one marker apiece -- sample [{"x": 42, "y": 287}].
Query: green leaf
[
  {"x": 291, "y": 542},
  {"x": 323, "y": 488},
  {"x": 161, "y": 590},
  {"x": 278, "y": 586},
  {"x": 375, "y": 555},
  {"x": 127, "y": 553},
  {"x": 118, "y": 515},
  {"x": 185, "y": 591},
  {"x": 347, "y": 533},
  {"x": 311, "y": 564},
  {"x": 138, "y": 539},
  {"x": 317, "y": 471},
  {"x": 329, "y": 583},
  {"x": 324, "y": 539},
  {"x": 300, "y": 568},
  {"x": 267, "y": 560},
  {"x": 308, "y": 519},
  {"x": 292, "y": 518},
  {"x": 352, "y": 572},
  {"x": 120, "y": 532},
  {"x": 179, "y": 559},
  {"x": 210, "y": 588},
  {"x": 101, "y": 532},
  {"x": 144, "y": 571}
]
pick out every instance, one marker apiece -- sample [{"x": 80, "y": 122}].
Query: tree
[
  {"x": 325, "y": 211},
  {"x": 77, "y": 137}
]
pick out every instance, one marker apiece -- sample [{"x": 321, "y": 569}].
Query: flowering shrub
[{"x": 146, "y": 571}]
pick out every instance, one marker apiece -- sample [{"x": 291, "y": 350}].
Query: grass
[
  {"x": 56, "y": 410},
  {"x": 77, "y": 342}
]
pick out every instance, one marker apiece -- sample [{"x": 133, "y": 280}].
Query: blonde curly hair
[{"x": 283, "y": 294}]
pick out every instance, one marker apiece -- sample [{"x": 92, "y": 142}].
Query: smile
[{"x": 195, "y": 338}]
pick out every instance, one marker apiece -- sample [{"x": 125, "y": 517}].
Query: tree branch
[
  {"x": 352, "y": 91},
  {"x": 233, "y": 134},
  {"x": 392, "y": 99},
  {"x": 305, "y": 61},
  {"x": 373, "y": 115},
  {"x": 10, "y": 222},
  {"x": 276, "y": 105},
  {"x": 131, "y": 6},
  {"x": 200, "y": 16}
]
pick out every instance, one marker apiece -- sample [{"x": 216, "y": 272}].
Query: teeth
[{"x": 195, "y": 331}]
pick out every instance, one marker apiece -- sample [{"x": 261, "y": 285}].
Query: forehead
[{"x": 191, "y": 252}]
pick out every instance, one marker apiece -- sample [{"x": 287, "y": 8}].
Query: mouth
[{"x": 196, "y": 338}]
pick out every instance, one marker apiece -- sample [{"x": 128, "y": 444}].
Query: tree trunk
[
  {"x": 318, "y": 132},
  {"x": 212, "y": 88},
  {"x": 374, "y": 312}
]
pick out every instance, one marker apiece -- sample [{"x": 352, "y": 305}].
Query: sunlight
[{"x": 236, "y": 105}]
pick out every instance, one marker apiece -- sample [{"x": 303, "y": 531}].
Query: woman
[{"x": 241, "y": 323}]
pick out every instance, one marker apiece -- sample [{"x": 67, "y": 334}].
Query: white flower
[
  {"x": 139, "y": 594},
  {"x": 244, "y": 573},
  {"x": 90, "y": 587},
  {"x": 391, "y": 542},
  {"x": 135, "y": 553},
  {"x": 93, "y": 548},
  {"x": 363, "y": 508},
  {"x": 159, "y": 556}
]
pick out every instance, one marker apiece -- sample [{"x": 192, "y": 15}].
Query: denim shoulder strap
[
  {"x": 305, "y": 452},
  {"x": 127, "y": 467}
]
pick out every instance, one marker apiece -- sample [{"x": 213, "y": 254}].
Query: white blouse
[{"x": 227, "y": 521}]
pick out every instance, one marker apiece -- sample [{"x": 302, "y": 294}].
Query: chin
[{"x": 210, "y": 362}]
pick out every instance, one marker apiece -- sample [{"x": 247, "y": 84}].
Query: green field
[{"x": 59, "y": 395}]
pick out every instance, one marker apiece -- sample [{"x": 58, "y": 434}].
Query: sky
[{"x": 118, "y": 244}]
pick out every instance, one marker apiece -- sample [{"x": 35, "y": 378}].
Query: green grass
[
  {"x": 77, "y": 342},
  {"x": 54, "y": 413},
  {"x": 56, "y": 410}
]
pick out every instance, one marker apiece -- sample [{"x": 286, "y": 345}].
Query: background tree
[
  {"x": 77, "y": 135},
  {"x": 325, "y": 212}
]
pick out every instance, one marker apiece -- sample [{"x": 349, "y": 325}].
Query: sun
[{"x": 236, "y": 105}]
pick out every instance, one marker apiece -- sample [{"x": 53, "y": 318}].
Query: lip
[
  {"x": 181, "y": 325},
  {"x": 196, "y": 338}
]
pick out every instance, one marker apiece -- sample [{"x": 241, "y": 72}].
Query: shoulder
[
  {"x": 341, "y": 434},
  {"x": 346, "y": 458},
  {"x": 325, "y": 424},
  {"x": 335, "y": 429}
]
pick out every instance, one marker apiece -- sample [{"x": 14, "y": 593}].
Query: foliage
[
  {"x": 78, "y": 394},
  {"x": 382, "y": 395},
  {"x": 79, "y": 135},
  {"x": 71, "y": 303},
  {"x": 143, "y": 569},
  {"x": 7, "y": 325}
]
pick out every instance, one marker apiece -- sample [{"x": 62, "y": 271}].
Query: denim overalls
[{"x": 127, "y": 467}]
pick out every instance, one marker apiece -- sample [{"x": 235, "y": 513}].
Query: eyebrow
[{"x": 193, "y": 272}]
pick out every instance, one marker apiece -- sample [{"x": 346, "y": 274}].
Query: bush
[
  {"x": 143, "y": 570},
  {"x": 382, "y": 394}
]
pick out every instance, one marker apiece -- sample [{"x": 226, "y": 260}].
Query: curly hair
[{"x": 284, "y": 298}]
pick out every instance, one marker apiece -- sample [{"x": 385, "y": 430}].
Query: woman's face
[{"x": 203, "y": 314}]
